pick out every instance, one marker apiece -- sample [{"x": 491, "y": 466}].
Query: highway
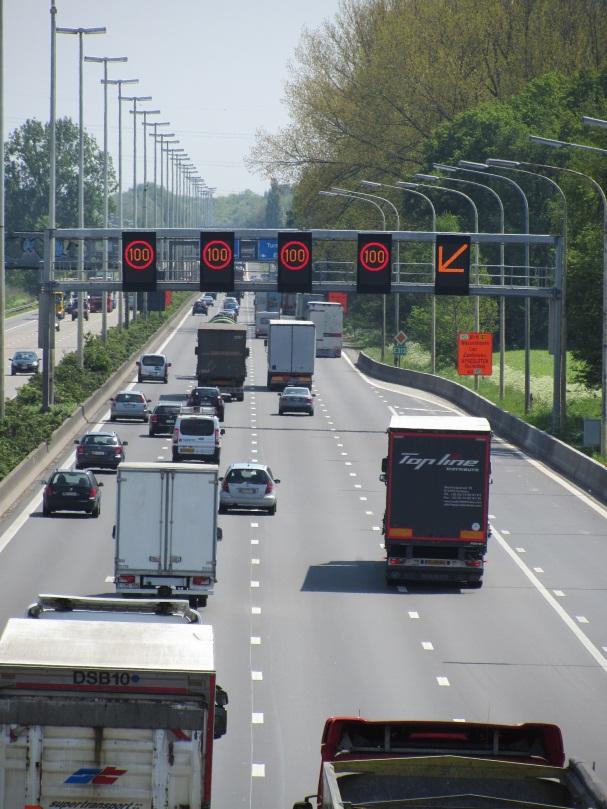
[
  {"x": 305, "y": 625},
  {"x": 22, "y": 333}
]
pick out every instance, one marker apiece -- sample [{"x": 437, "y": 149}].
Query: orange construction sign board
[
  {"x": 475, "y": 353},
  {"x": 339, "y": 297}
]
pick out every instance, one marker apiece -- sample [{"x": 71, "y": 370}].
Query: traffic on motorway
[{"x": 284, "y": 542}]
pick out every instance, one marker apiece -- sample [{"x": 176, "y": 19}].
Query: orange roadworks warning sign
[{"x": 475, "y": 353}]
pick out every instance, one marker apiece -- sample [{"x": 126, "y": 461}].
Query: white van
[
  {"x": 153, "y": 366},
  {"x": 197, "y": 438}
]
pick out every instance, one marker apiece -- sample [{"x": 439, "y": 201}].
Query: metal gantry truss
[{"x": 334, "y": 270}]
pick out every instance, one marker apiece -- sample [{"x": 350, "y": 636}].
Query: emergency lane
[{"x": 305, "y": 626}]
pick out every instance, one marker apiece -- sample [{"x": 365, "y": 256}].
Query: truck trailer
[
  {"x": 221, "y": 354},
  {"x": 291, "y": 351},
  {"x": 107, "y": 713},
  {"x": 436, "y": 522},
  {"x": 400, "y": 764},
  {"x": 166, "y": 530},
  {"x": 329, "y": 321}
]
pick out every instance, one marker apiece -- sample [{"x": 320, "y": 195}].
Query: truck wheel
[{"x": 202, "y": 601}]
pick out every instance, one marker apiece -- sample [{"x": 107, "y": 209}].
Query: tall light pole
[
  {"x": 502, "y": 301},
  {"x": 155, "y": 125},
  {"x": 471, "y": 167},
  {"x": 164, "y": 177},
  {"x": 104, "y": 61},
  {"x": 559, "y": 144},
  {"x": 135, "y": 99},
  {"x": 81, "y": 33},
  {"x": 370, "y": 200},
  {"x": 119, "y": 82},
  {"x": 145, "y": 114},
  {"x": 560, "y": 353}
]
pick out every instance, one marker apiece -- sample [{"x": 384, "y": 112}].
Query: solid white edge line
[
  {"x": 571, "y": 487},
  {"x": 564, "y": 616}
]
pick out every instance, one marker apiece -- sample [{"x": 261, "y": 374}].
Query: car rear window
[
  {"x": 70, "y": 479},
  {"x": 197, "y": 427},
  {"x": 247, "y": 476},
  {"x": 150, "y": 359},
  {"x": 130, "y": 397},
  {"x": 296, "y": 392},
  {"x": 99, "y": 440}
]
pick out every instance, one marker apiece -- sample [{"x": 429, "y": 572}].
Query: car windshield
[
  {"x": 247, "y": 476},
  {"x": 130, "y": 397},
  {"x": 70, "y": 479},
  {"x": 296, "y": 392},
  {"x": 25, "y": 355},
  {"x": 151, "y": 359},
  {"x": 99, "y": 440},
  {"x": 197, "y": 427},
  {"x": 202, "y": 395}
]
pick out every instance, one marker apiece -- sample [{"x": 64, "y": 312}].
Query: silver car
[
  {"x": 130, "y": 404},
  {"x": 293, "y": 399},
  {"x": 248, "y": 485}
]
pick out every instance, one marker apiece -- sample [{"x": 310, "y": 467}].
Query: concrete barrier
[
  {"x": 30, "y": 468},
  {"x": 569, "y": 462}
]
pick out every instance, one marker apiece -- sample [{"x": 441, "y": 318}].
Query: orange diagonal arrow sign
[{"x": 445, "y": 266}]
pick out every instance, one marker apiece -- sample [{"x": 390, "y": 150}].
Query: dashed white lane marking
[
  {"x": 109, "y": 580},
  {"x": 582, "y": 619},
  {"x": 254, "y": 584},
  {"x": 444, "y": 681},
  {"x": 344, "y": 453},
  {"x": 258, "y": 770},
  {"x": 333, "y": 428},
  {"x": 253, "y": 435},
  {"x": 254, "y": 451},
  {"x": 427, "y": 646},
  {"x": 255, "y": 640},
  {"x": 369, "y": 513},
  {"x": 255, "y": 561},
  {"x": 504, "y": 532},
  {"x": 257, "y": 718},
  {"x": 376, "y": 528},
  {"x": 257, "y": 675},
  {"x": 520, "y": 550},
  {"x": 563, "y": 615},
  {"x": 383, "y": 547},
  {"x": 363, "y": 498},
  {"x": 353, "y": 474},
  {"x": 392, "y": 410},
  {"x": 559, "y": 593},
  {"x": 253, "y": 442},
  {"x": 160, "y": 457},
  {"x": 255, "y": 610},
  {"x": 347, "y": 463},
  {"x": 538, "y": 569},
  {"x": 413, "y": 614},
  {"x": 254, "y": 525},
  {"x": 254, "y": 542},
  {"x": 358, "y": 486},
  {"x": 339, "y": 445},
  {"x": 492, "y": 516},
  {"x": 458, "y": 719}
]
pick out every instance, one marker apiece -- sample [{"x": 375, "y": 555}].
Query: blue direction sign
[{"x": 267, "y": 249}]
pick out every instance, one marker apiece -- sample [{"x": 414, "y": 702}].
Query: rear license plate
[
  {"x": 187, "y": 449},
  {"x": 246, "y": 490},
  {"x": 436, "y": 562},
  {"x": 70, "y": 494},
  {"x": 98, "y": 452}
]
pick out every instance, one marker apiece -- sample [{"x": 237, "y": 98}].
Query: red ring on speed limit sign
[
  {"x": 379, "y": 265},
  {"x": 146, "y": 250},
  {"x": 295, "y": 255},
  {"x": 217, "y": 244}
]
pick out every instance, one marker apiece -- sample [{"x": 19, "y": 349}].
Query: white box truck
[
  {"x": 262, "y": 322},
  {"x": 291, "y": 352},
  {"x": 328, "y": 318},
  {"x": 166, "y": 530},
  {"x": 107, "y": 714}
]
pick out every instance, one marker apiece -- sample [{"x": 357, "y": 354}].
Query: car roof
[
  {"x": 245, "y": 465},
  {"x": 104, "y": 432},
  {"x": 196, "y": 416}
]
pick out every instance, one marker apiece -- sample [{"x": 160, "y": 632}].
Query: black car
[
  {"x": 162, "y": 418},
  {"x": 70, "y": 490},
  {"x": 24, "y": 362},
  {"x": 207, "y": 397},
  {"x": 100, "y": 451},
  {"x": 200, "y": 308}
]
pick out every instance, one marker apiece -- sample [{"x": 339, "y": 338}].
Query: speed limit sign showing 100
[
  {"x": 217, "y": 261},
  {"x": 295, "y": 262},
  {"x": 139, "y": 261},
  {"x": 374, "y": 263}
]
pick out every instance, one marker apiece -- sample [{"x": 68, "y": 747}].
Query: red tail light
[
  {"x": 153, "y": 419},
  {"x": 200, "y": 580},
  {"x": 216, "y": 437},
  {"x": 126, "y": 579},
  {"x": 269, "y": 487},
  {"x": 224, "y": 486},
  {"x": 118, "y": 451},
  {"x": 49, "y": 490},
  {"x": 93, "y": 491},
  {"x": 79, "y": 450},
  {"x": 175, "y": 435}
]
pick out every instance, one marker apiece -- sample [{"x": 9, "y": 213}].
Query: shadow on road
[{"x": 349, "y": 576}]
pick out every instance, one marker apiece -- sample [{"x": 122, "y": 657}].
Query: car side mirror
[
  {"x": 169, "y": 364},
  {"x": 247, "y": 352},
  {"x": 219, "y": 534},
  {"x": 265, "y": 342},
  {"x": 384, "y": 465},
  {"x": 382, "y": 477},
  {"x": 222, "y": 431},
  {"x": 220, "y": 479},
  {"x": 125, "y": 443},
  {"x": 76, "y": 441},
  {"x": 313, "y": 394},
  {"x": 148, "y": 400},
  {"x": 43, "y": 482},
  {"x": 112, "y": 399},
  {"x": 137, "y": 363},
  {"x": 276, "y": 480},
  {"x": 99, "y": 483},
  {"x": 114, "y": 532}
]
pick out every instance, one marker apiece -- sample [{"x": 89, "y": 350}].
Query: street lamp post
[
  {"x": 563, "y": 144},
  {"x": 369, "y": 199},
  {"x": 81, "y": 33},
  {"x": 154, "y": 135},
  {"x": 104, "y": 60},
  {"x": 135, "y": 99},
  {"x": 121, "y": 296},
  {"x": 502, "y": 301},
  {"x": 560, "y": 353},
  {"x": 145, "y": 114}
]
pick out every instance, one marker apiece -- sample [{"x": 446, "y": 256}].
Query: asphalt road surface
[
  {"x": 22, "y": 334},
  {"x": 304, "y": 623}
]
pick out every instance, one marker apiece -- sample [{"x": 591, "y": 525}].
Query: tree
[
  {"x": 27, "y": 160},
  {"x": 273, "y": 217}
]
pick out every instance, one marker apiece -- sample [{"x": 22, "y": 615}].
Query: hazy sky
[{"x": 216, "y": 71}]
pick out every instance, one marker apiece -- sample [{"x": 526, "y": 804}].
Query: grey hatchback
[{"x": 130, "y": 404}]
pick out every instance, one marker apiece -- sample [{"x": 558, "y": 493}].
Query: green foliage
[
  {"x": 25, "y": 426},
  {"x": 244, "y": 210}
]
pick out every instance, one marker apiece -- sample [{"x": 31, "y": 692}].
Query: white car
[
  {"x": 197, "y": 437},
  {"x": 248, "y": 485},
  {"x": 153, "y": 366}
]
